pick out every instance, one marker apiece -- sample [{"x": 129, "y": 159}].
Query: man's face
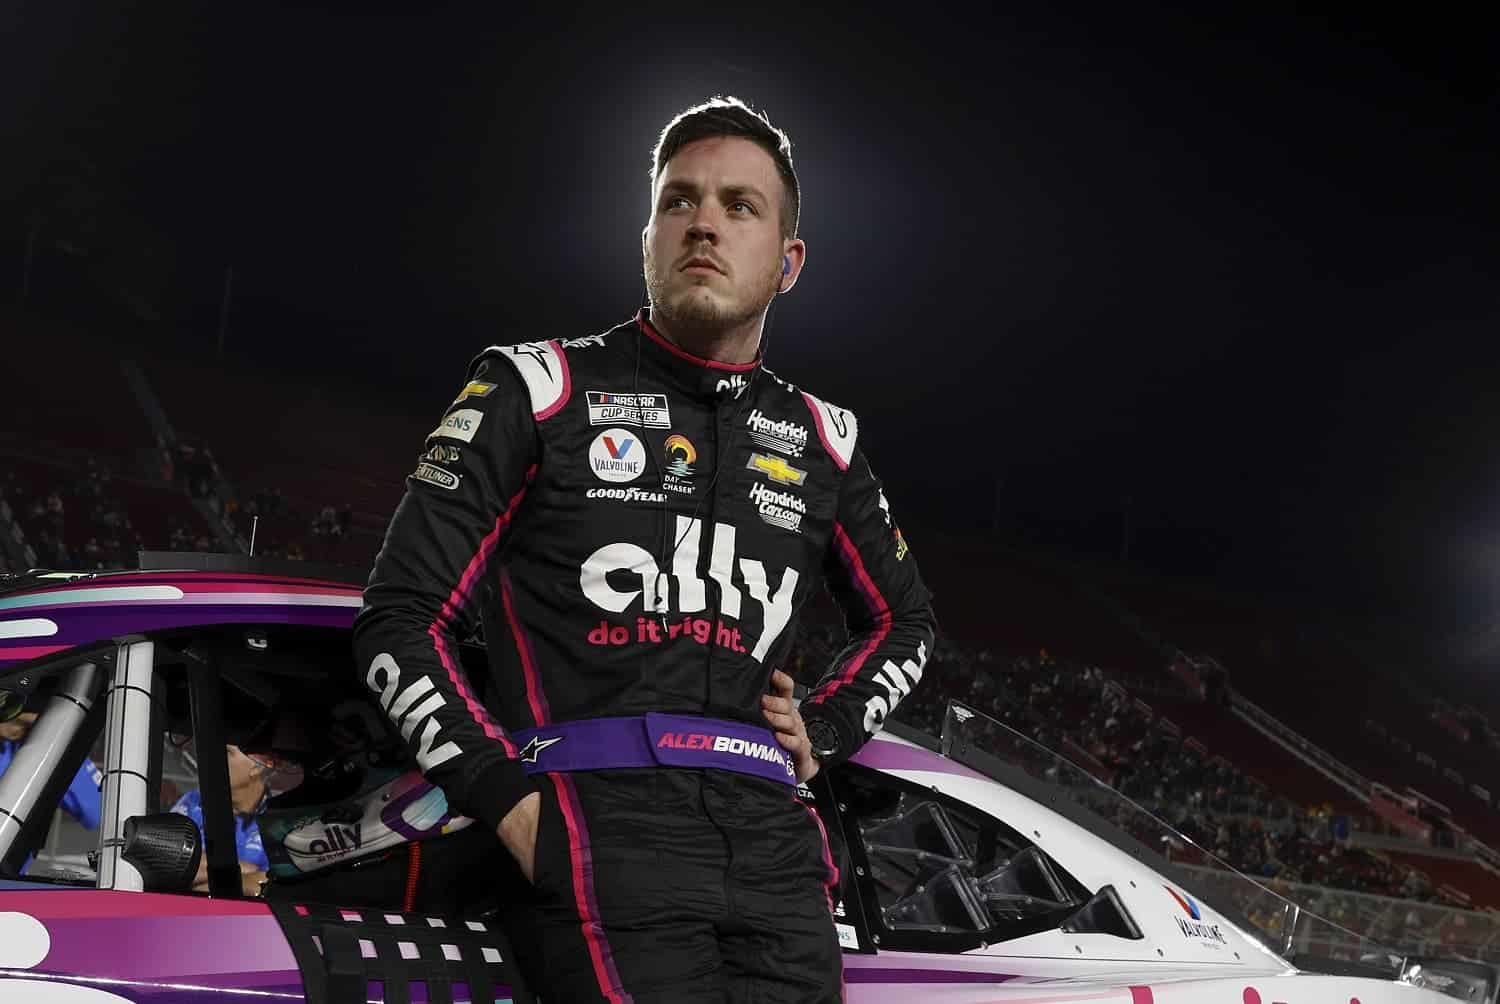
[
  {"x": 15, "y": 730},
  {"x": 242, "y": 769},
  {"x": 713, "y": 247}
]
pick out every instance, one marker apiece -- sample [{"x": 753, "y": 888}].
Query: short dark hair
[{"x": 729, "y": 116}]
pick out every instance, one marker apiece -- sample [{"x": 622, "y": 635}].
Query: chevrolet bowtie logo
[
  {"x": 529, "y": 752},
  {"x": 776, "y": 469}
]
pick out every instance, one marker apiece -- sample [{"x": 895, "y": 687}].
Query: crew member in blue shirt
[
  {"x": 81, "y": 801},
  {"x": 248, "y": 791}
]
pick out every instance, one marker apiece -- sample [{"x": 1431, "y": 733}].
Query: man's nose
[{"x": 701, "y": 230}]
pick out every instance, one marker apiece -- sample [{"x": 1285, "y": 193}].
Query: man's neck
[
  {"x": 735, "y": 345},
  {"x": 246, "y": 798}
]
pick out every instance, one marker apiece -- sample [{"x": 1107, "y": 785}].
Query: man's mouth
[{"x": 701, "y": 265}]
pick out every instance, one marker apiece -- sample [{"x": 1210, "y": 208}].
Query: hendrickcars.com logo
[{"x": 1193, "y": 926}]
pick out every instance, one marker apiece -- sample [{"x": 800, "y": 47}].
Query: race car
[{"x": 975, "y": 865}]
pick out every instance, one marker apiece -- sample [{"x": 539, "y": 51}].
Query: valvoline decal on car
[
  {"x": 1193, "y": 926},
  {"x": 1189, "y": 906}
]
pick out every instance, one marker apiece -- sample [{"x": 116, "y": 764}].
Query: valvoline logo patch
[
  {"x": 617, "y": 455},
  {"x": 1188, "y": 904}
]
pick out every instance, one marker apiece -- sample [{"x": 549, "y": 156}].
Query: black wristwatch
[{"x": 823, "y": 737}]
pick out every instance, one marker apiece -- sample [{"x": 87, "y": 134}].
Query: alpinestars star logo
[{"x": 530, "y": 751}]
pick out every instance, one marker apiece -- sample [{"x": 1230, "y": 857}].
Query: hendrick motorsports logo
[
  {"x": 781, "y": 509},
  {"x": 783, "y": 437},
  {"x": 1193, "y": 925},
  {"x": 435, "y": 476},
  {"x": 617, "y": 455},
  {"x": 649, "y": 410}
]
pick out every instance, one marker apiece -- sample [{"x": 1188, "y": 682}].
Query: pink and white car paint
[{"x": 67, "y": 943}]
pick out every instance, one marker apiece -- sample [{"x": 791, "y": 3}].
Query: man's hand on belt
[{"x": 783, "y": 716}]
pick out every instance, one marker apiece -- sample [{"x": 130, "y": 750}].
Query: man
[
  {"x": 81, "y": 800},
  {"x": 637, "y": 517},
  {"x": 248, "y": 791}
]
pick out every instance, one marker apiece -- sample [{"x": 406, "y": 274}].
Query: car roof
[{"x": 47, "y": 614}]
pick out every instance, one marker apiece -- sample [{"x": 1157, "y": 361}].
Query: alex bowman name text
[{"x": 720, "y": 744}]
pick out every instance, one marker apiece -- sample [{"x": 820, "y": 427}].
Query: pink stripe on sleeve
[
  {"x": 876, "y": 603},
  {"x": 441, "y": 628}
]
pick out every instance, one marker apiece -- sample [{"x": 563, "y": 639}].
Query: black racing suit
[{"x": 641, "y": 527}]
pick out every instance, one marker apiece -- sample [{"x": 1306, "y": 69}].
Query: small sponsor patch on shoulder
[
  {"x": 436, "y": 476},
  {"x": 475, "y": 388},
  {"x": 441, "y": 453},
  {"x": 461, "y": 424}
]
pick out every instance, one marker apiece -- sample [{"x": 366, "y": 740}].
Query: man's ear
[{"x": 794, "y": 253}]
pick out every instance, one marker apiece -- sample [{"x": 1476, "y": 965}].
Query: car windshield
[{"x": 1288, "y": 928}]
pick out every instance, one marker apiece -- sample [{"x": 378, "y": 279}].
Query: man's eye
[
  {"x": 742, "y": 205},
  {"x": 674, "y": 200}
]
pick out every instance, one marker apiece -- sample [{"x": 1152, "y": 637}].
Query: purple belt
[{"x": 654, "y": 740}]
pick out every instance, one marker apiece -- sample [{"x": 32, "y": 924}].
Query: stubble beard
[{"x": 699, "y": 315}]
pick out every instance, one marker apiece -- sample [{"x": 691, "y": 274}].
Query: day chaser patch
[
  {"x": 461, "y": 424},
  {"x": 649, "y": 410},
  {"x": 436, "y": 476}
]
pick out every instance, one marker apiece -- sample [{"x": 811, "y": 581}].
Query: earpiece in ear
[{"x": 786, "y": 264}]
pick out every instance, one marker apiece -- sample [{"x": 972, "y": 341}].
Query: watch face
[{"x": 823, "y": 737}]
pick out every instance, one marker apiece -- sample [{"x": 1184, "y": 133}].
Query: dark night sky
[{"x": 1241, "y": 270}]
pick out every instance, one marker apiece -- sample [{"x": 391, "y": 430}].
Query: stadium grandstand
[{"x": 1382, "y": 819}]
